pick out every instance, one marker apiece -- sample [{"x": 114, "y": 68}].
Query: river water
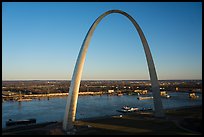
[{"x": 45, "y": 110}]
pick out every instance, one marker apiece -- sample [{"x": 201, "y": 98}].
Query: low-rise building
[
  {"x": 110, "y": 91},
  {"x": 141, "y": 91}
]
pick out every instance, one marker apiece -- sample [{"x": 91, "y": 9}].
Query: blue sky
[{"x": 42, "y": 40}]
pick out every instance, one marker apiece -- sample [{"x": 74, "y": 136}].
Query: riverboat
[
  {"x": 126, "y": 109},
  {"x": 144, "y": 98},
  {"x": 11, "y": 122}
]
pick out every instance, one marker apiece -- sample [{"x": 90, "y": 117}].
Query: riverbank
[
  {"x": 180, "y": 121},
  {"x": 41, "y": 96}
]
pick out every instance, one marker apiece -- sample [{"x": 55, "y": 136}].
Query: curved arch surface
[{"x": 70, "y": 110}]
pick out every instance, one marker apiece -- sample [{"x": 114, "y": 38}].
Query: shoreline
[
  {"x": 51, "y": 95},
  {"x": 55, "y": 95},
  {"x": 30, "y": 97}
]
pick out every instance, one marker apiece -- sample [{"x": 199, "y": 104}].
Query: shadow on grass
[{"x": 128, "y": 125}]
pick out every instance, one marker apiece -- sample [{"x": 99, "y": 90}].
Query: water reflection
[{"x": 19, "y": 105}]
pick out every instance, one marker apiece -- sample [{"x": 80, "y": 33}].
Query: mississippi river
[{"x": 45, "y": 110}]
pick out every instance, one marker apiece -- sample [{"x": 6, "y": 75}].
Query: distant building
[
  {"x": 141, "y": 91},
  {"x": 163, "y": 93},
  {"x": 7, "y": 93},
  {"x": 193, "y": 95},
  {"x": 110, "y": 91}
]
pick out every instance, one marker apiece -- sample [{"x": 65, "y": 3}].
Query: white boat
[
  {"x": 166, "y": 96},
  {"x": 144, "y": 98},
  {"x": 126, "y": 109}
]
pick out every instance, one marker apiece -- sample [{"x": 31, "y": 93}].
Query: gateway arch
[{"x": 70, "y": 110}]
